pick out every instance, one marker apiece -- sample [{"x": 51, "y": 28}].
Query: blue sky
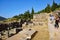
[{"x": 10, "y": 8}]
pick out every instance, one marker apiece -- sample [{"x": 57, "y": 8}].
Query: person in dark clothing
[
  {"x": 59, "y": 19},
  {"x": 56, "y": 23}
]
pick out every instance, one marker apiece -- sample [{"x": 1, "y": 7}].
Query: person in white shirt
[{"x": 51, "y": 18}]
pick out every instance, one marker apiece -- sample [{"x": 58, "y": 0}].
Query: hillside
[{"x": 2, "y": 18}]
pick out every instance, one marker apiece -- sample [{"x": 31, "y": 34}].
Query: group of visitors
[{"x": 56, "y": 18}]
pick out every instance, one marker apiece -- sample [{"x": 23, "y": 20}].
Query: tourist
[
  {"x": 57, "y": 23},
  {"x": 51, "y": 18}
]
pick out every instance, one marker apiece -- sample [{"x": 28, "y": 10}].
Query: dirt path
[
  {"x": 42, "y": 33},
  {"x": 54, "y": 32}
]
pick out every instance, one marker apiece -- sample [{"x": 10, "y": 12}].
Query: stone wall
[{"x": 40, "y": 19}]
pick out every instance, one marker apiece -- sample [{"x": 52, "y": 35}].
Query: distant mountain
[{"x": 2, "y": 18}]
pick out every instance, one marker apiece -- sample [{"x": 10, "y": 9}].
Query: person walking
[
  {"x": 57, "y": 23},
  {"x": 51, "y": 18}
]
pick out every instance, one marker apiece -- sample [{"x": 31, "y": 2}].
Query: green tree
[
  {"x": 42, "y": 11},
  {"x": 48, "y": 8},
  {"x": 27, "y": 15},
  {"x": 21, "y": 16},
  {"x": 16, "y": 16},
  {"x": 54, "y": 6},
  {"x": 32, "y": 12},
  {"x": 59, "y": 6}
]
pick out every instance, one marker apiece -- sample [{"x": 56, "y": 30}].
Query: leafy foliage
[
  {"x": 48, "y": 9},
  {"x": 54, "y": 6},
  {"x": 29, "y": 15},
  {"x": 32, "y": 12}
]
